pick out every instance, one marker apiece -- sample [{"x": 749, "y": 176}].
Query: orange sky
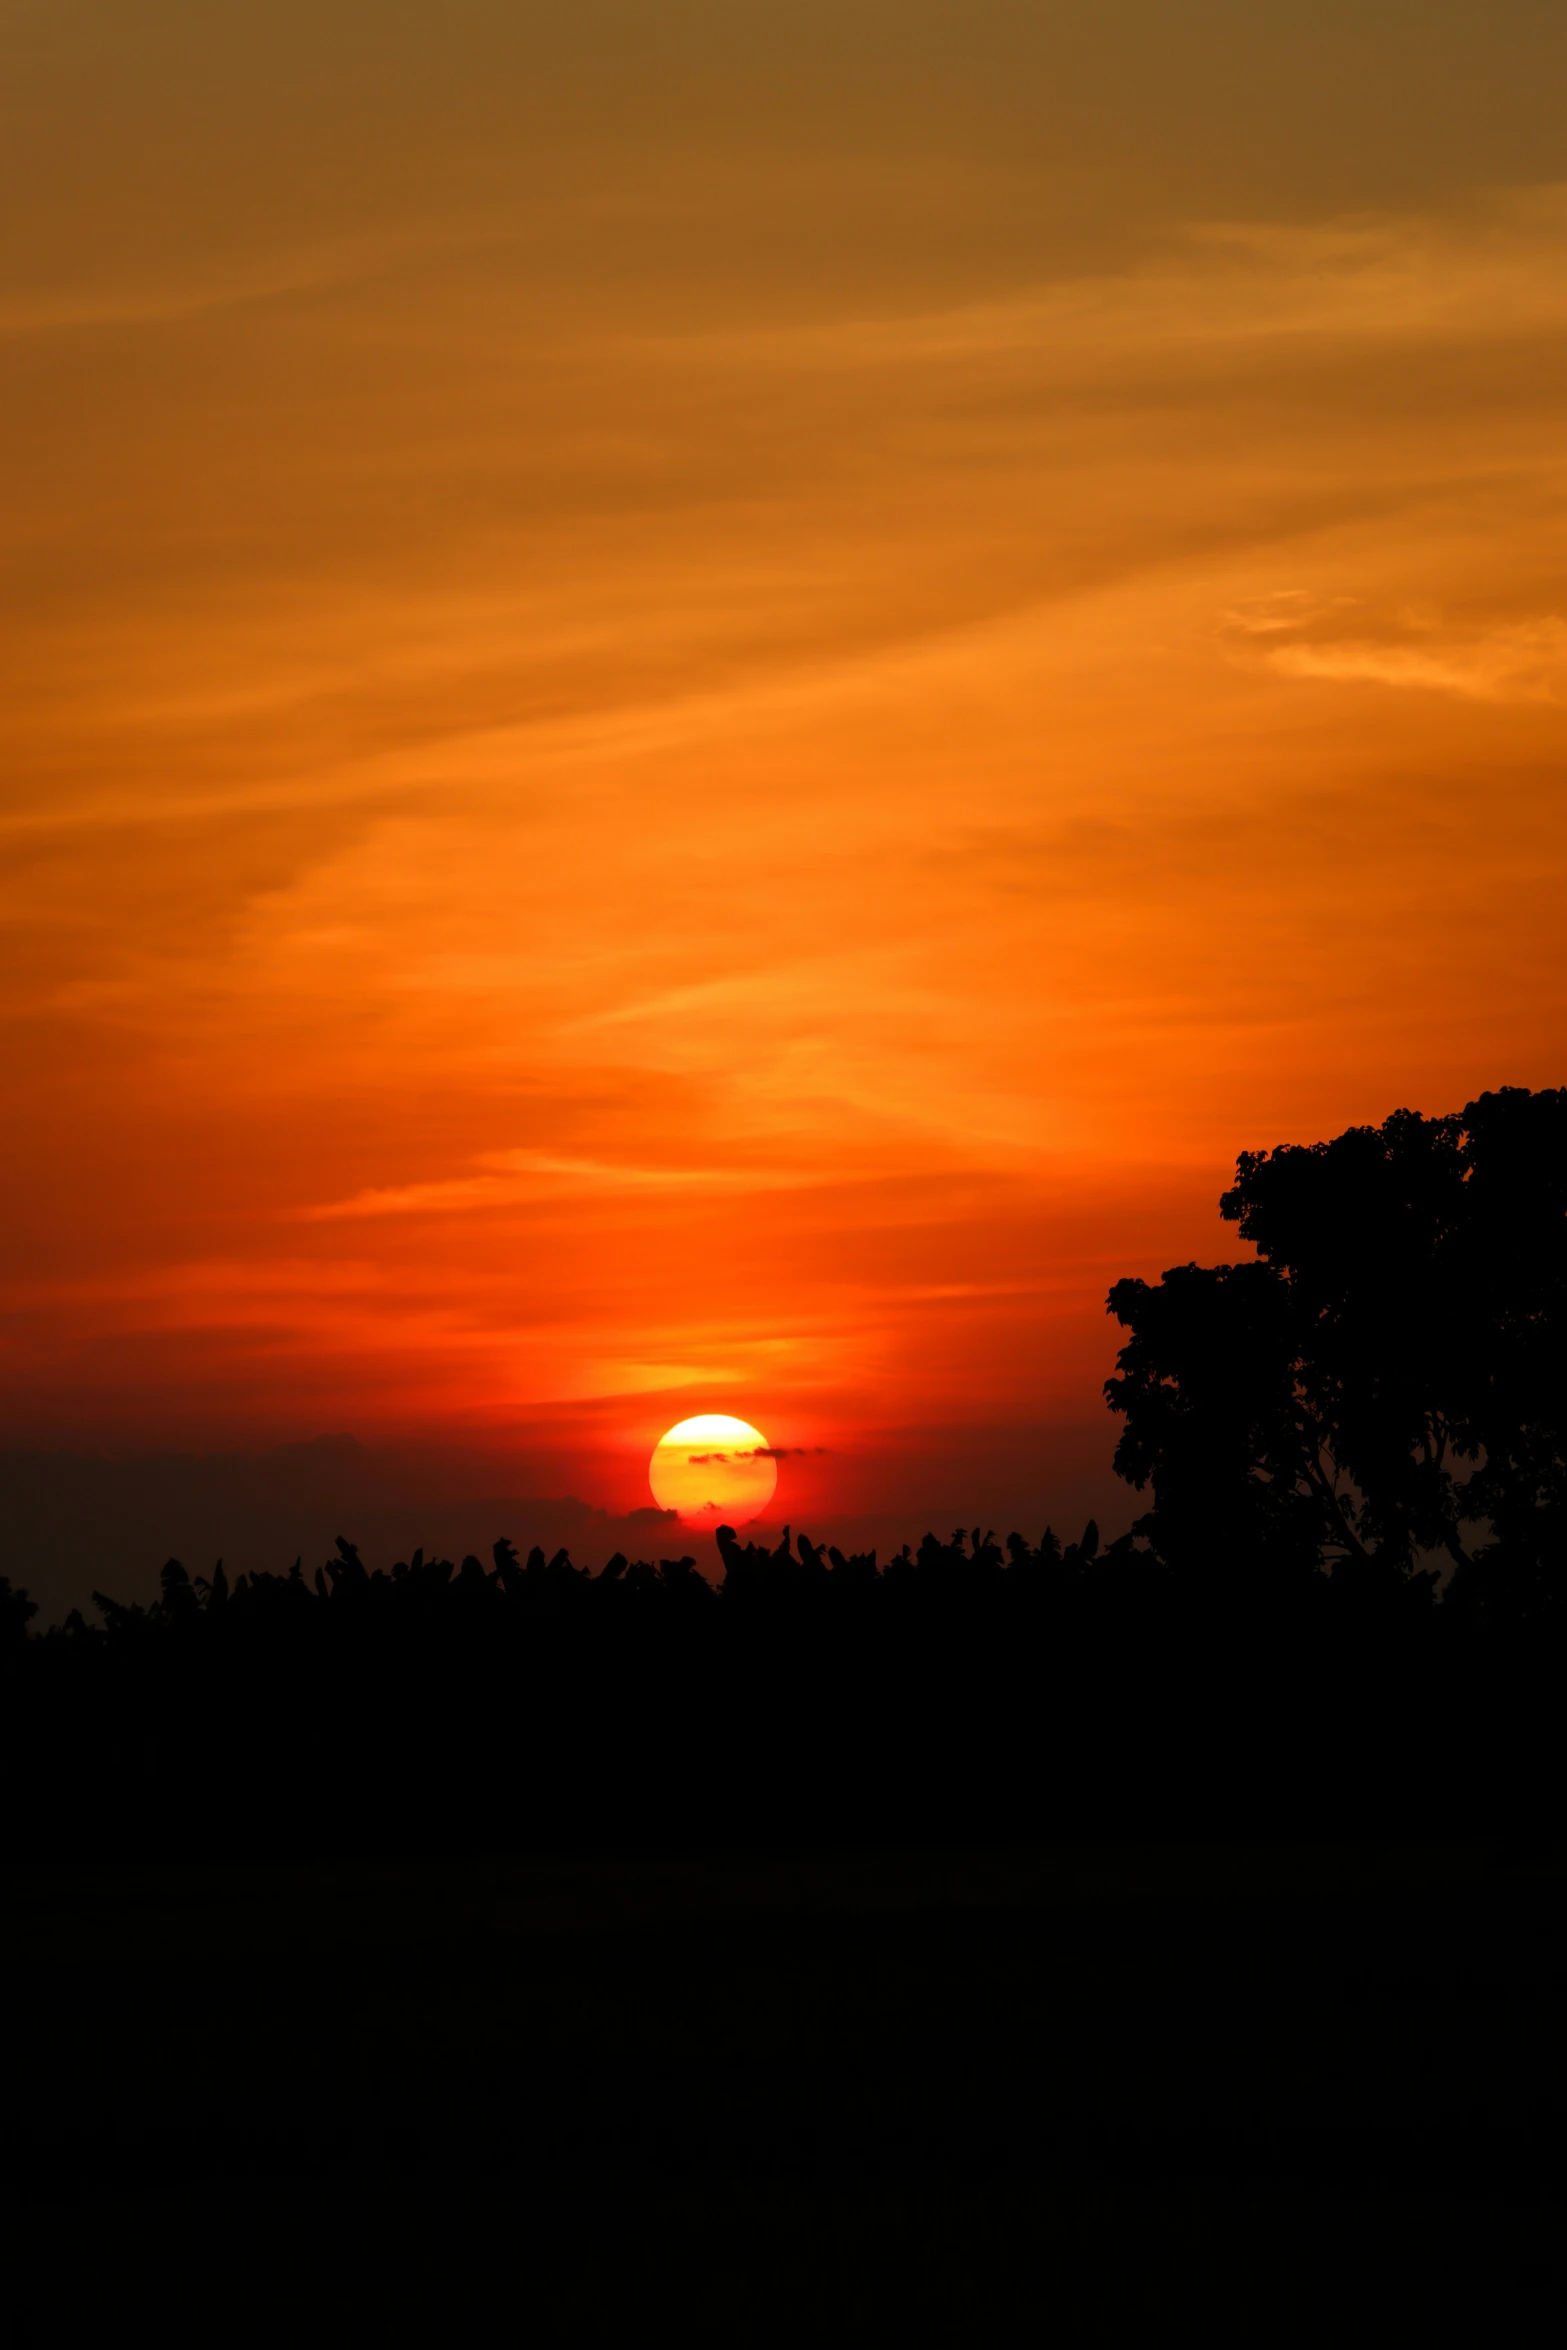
[{"x": 701, "y": 703}]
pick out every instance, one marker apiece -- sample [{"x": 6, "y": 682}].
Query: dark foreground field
[{"x": 1089, "y": 2093}]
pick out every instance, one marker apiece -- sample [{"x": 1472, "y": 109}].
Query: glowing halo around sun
[{"x": 713, "y": 1468}]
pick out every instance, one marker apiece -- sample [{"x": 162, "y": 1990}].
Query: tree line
[
  {"x": 425, "y": 1591},
  {"x": 1345, "y": 1604}
]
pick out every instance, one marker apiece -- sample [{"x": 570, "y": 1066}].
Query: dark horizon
[{"x": 72, "y": 1523}]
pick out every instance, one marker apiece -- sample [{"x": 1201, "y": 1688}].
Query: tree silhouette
[{"x": 1385, "y": 1384}]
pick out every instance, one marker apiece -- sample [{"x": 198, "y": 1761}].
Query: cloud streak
[{"x": 1338, "y": 640}]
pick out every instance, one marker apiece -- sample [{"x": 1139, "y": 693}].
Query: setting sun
[{"x": 712, "y": 1467}]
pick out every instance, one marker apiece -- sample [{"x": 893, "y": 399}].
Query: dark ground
[{"x": 1092, "y": 2093}]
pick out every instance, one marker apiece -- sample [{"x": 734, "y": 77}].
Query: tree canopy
[{"x": 1382, "y": 1391}]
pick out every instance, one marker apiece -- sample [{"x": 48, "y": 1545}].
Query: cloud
[
  {"x": 518, "y": 1177},
  {"x": 760, "y": 1452},
  {"x": 1301, "y": 635}
]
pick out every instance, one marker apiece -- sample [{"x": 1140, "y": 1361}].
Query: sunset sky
[{"x": 701, "y": 702}]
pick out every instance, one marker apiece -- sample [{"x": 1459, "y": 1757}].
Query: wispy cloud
[
  {"x": 508, "y": 1177},
  {"x": 1217, "y": 282},
  {"x": 1339, "y": 638},
  {"x": 759, "y": 1452}
]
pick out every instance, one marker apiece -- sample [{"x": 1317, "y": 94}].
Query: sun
[{"x": 713, "y": 1467}]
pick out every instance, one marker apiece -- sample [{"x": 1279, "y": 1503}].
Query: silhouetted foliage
[
  {"x": 1379, "y": 1395},
  {"x": 16, "y": 1612},
  {"x": 1269, "y": 1651},
  {"x": 1383, "y": 1392},
  {"x": 966, "y": 1687}
]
